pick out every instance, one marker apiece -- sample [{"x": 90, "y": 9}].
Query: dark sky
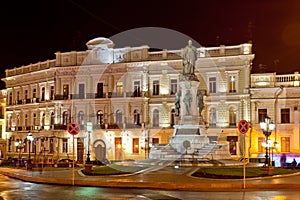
[{"x": 33, "y": 31}]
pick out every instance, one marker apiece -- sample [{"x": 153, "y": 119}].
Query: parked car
[{"x": 65, "y": 162}]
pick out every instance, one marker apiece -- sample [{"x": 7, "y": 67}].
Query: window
[
  {"x": 136, "y": 117},
  {"x": 52, "y": 93},
  {"x": 137, "y": 89},
  {"x": 156, "y": 87},
  {"x": 100, "y": 90},
  {"x": 100, "y": 117},
  {"x": 232, "y": 144},
  {"x": 52, "y": 117},
  {"x": 135, "y": 145},
  {"x": 212, "y": 117},
  {"x": 212, "y": 84},
  {"x": 232, "y": 84},
  {"x": 285, "y": 115},
  {"x": 285, "y": 144},
  {"x": 119, "y": 117},
  {"x": 43, "y": 94},
  {"x": 260, "y": 142},
  {"x": 65, "y": 118},
  {"x": 43, "y": 120},
  {"x": 51, "y": 145},
  {"x": 262, "y": 114},
  {"x": 65, "y": 145},
  {"x": 26, "y": 121},
  {"x": 18, "y": 96},
  {"x": 10, "y": 98},
  {"x": 155, "y": 118},
  {"x": 81, "y": 91},
  {"x": 65, "y": 91},
  {"x": 81, "y": 118},
  {"x": 155, "y": 141},
  {"x": 173, "y": 86},
  {"x": 232, "y": 117},
  {"x": 119, "y": 89},
  {"x": 26, "y": 94},
  {"x": 34, "y": 93},
  {"x": 34, "y": 119}
]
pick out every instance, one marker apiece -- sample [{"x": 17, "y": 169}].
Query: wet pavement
[{"x": 154, "y": 177}]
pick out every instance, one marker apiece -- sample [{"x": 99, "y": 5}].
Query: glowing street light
[{"x": 267, "y": 127}]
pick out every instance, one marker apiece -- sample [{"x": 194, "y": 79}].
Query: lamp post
[
  {"x": 30, "y": 139},
  {"x": 19, "y": 145},
  {"x": 267, "y": 127}
]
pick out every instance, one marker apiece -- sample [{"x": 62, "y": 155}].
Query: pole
[
  {"x": 73, "y": 171},
  {"x": 29, "y": 162},
  {"x": 244, "y": 170}
]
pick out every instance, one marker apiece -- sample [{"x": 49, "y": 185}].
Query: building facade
[
  {"x": 276, "y": 96},
  {"x": 123, "y": 100}
]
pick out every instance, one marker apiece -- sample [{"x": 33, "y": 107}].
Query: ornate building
[
  {"x": 276, "y": 96},
  {"x": 126, "y": 95}
]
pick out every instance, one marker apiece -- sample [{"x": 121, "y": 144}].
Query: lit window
[
  {"x": 119, "y": 89},
  {"x": 65, "y": 146},
  {"x": 212, "y": 84},
  {"x": 285, "y": 115},
  {"x": 262, "y": 114},
  {"x": 173, "y": 86},
  {"x": 137, "y": 89},
  {"x": 156, "y": 87},
  {"x": 232, "y": 84}
]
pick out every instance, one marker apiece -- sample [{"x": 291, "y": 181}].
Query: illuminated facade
[
  {"x": 276, "y": 96},
  {"x": 126, "y": 94}
]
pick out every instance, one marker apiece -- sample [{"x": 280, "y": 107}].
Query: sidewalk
[{"x": 166, "y": 179}]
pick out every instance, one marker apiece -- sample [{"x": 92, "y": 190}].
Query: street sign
[
  {"x": 73, "y": 128},
  {"x": 243, "y": 126}
]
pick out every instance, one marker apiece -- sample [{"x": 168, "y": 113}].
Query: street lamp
[
  {"x": 267, "y": 127},
  {"x": 30, "y": 139},
  {"x": 19, "y": 145}
]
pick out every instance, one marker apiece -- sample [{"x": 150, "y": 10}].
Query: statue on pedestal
[{"x": 189, "y": 56}]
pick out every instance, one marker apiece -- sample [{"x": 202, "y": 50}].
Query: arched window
[
  {"x": 100, "y": 117},
  {"x": 65, "y": 118},
  {"x": 155, "y": 118},
  {"x": 212, "y": 117},
  {"x": 81, "y": 117},
  {"x": 232, "y": 117},
  {"x": 119, "y": 117},
  {"x": 52, "y": 118},
  {"x": 136, "y": 117},
  {"x": 172, "y": 121}
]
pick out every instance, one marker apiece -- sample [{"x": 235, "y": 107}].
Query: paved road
[
  {"x": 19, "y": 190},
  {"x": 159, "y": 178}
]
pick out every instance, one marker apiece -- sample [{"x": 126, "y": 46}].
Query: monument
[
  {"x": 189, "y": 141},
  {"x": 189, "y": 134}
]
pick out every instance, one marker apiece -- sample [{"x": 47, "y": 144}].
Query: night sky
[{"x": 33, "y": 31}]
